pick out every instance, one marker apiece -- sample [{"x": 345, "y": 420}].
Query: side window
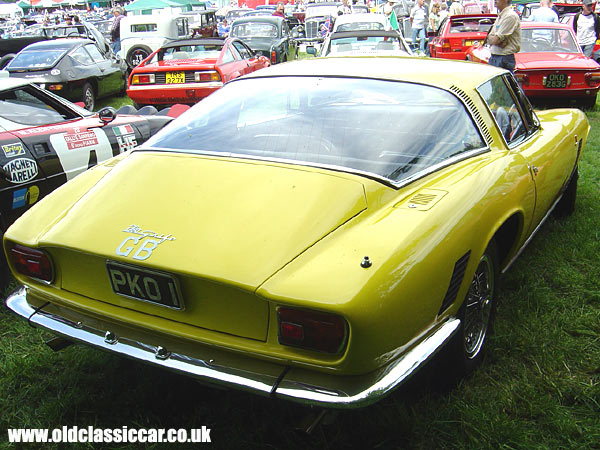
[
  {"x": 229, "y": 56},
  {"x": 244, "y": 53},
  {"x": 504, "y": 107},
  {"x": 95, "y": 53},
  {"x": 285, "y": 30},
  {"x": 182, "y": 27},
  {"x": 82, "y": 57}
]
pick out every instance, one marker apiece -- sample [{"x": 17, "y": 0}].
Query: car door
[
  {"x": 246, "y": 63},
  {"x": 545, "y": 156},
  {"x": 110, "y": 78}
]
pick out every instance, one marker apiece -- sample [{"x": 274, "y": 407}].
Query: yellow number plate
[{"x": 175, "y": 77}]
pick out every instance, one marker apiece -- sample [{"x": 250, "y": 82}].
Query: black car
[
  {"x": 10, "y": 46},
  {"x": 75, "y": 69},
  {"x": 267, "y": 35}
]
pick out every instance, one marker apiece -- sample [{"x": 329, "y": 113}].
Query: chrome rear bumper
[{"x": 242, "y": 372}]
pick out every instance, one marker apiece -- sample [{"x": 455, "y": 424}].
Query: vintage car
[
  {"x": 457, "y": 34},
  {"x": 550, "y": 65},
  {"x": 359, "y": 21},
  {"x": 203, "y": 23},
  {"x": 143, "y": 34},
  {"x": 316, "y": 15},
  {"x": 363, "y": 43},
  {"x": 46, "y": 141},
  {"x": 269, "y": 36},
  {"x": 329, "y": 225},
  {"x": 75, "y": 69},
  {"x": 187, "y": 70}
]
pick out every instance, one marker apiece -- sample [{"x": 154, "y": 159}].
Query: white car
[
  {"x": 360, "y": 22},
  {"x": 143, "y": 34}
]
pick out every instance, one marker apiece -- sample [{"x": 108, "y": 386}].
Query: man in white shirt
[
  {"x": 587, "y": 28},
  {"x": 418, "y": 21}
]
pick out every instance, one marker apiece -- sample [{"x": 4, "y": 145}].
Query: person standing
[
  {"x": 434, "y": 17},
  {"x": 544, "y": 13},
  {"x": 418, "y": 19},
  {"x": 587, "y": 28},
  {"x": 115, "y": 30},
  {"x": 443, "y": 11},
  {"x": 456, "y": 8},
  {"x": 505, "y": 36},
  {"x": 280, "y": 10}
]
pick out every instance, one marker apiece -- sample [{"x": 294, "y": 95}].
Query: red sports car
[
  {"x": 457, "y": 34},
  {"x": 187, "y": 70},
  {"x": 551, "y": 65}
]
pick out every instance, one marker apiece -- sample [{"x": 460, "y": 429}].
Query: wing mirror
[{"x": 107, "y": 115}]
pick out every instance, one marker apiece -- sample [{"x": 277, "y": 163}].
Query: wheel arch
[{"x": 507, "y": 236}]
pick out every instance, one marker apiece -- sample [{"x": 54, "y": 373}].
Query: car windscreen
[
  {"x": 201, "y": 51},
  {"x": 364, "y": 44},
  {"x": 321, "y": 11},
  {"x": 254, "y": 29},
  {"x": 37, "y": 59},
  {"x": 465, "y": 25},
  {"x": 393, "y": 130},
  {"x": 546, "y": 39},
  {"x": 356, "y": 26}
]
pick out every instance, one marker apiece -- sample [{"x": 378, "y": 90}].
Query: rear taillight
[
  {"x": 312, "y": 330},
  {"x": 592, "y": 79},
  {"x": 446, "y": 44},
  {"x": 143, "y": 79},
  {"x": 31, "y": 262},
  {"x": 273, "y": 57},
  {"x": 209, "y": 75},
  {"x": 522, "y": 78}
]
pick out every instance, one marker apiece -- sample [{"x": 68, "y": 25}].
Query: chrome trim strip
[{"x": 295, "y": 384}]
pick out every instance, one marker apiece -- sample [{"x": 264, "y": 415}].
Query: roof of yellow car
[{"x": 443, "y": 73}]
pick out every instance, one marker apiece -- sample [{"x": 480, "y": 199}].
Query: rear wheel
[
  {"x": 88, "y": 97},
  {"x": 476, "y": 314}
]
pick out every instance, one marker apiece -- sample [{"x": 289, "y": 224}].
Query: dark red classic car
[
  {"x": 187, "y": 70},
  {"x": 551, "y": 65},
  {"x": 457, "y": 34}
]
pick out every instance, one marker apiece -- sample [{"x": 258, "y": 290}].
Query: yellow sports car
[{"x": 315, "y": 231}]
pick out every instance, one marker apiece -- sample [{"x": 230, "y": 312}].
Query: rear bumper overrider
[{"x": 242, "y": 372}]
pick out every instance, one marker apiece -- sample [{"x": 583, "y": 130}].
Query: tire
[
  {"x": 5, "y": 276},
  {"x": 6, "y": 59},
  {"x": 88, "y": 97},
  {"x": 476, "y": 315},
  {"x": 566, "y": 205},
  {"x": 136, "y": 55}
]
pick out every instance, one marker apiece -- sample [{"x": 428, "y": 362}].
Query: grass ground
[{"x": 538, "y": 388}]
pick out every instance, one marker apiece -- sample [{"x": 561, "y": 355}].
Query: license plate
[
  {"x": 556, "y": 80},
  {"x": 175, "y": 78},
  {"x": 468, "y": 43},
  {"x": 145, "y": 285}
]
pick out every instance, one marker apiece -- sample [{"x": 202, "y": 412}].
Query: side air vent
[
  {"x": 471, "y": 106},
  {"x": 422, "y": 200},
  {"x": 455, "y": 281}
]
